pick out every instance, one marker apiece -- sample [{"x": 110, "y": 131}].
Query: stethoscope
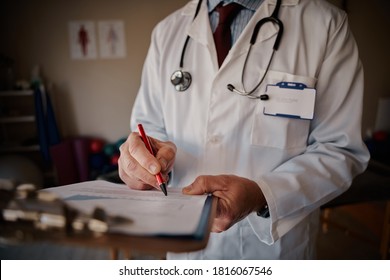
[{"x": 181, "y": 80}]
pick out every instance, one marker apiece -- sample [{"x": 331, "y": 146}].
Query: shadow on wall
[{"x": 63, "y": 104}]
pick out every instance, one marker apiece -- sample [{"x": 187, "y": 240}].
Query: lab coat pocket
[{"x": 280, "y": 131}]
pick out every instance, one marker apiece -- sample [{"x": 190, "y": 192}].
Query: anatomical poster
[
  {"x": 82, "y": 37},
  {"x": 112, "y": 39}
]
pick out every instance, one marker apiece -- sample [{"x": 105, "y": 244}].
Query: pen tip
[{"x": 164, "y": 189}]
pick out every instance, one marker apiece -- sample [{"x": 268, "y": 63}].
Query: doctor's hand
[
  {"x": 137, "y": 166},
  {"x": 237, "y": 198}
]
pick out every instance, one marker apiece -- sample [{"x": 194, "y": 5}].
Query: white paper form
[{"x": 151, "y": 211}]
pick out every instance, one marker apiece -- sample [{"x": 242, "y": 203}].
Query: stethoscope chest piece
[{"x": 181, "y": 80}]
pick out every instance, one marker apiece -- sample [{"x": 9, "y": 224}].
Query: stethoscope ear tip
[{"x": 230, "y": 87}]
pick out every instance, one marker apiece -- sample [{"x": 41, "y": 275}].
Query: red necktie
[{"x": 222, "y": 35}]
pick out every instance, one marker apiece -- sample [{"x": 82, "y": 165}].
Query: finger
[
  {"x": 133, "y": 182},
  {"x": 166, "y": 153},
  {"x": 224, "y": 217},
  {"x": 130, "y": 170},
  {"x": 137, "y": 149},
  {"x": 206, "y": 184},
  {"x": 135, "y": 176},
  {"x": 220, "y": 225}
]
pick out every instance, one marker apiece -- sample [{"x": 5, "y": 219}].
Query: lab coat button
[{"x": 215, "y": 139}]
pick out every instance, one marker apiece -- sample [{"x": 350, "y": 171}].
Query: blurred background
[{"x": 63, "y": 114}]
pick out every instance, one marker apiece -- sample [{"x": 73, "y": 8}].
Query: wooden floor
[{"x": 350, "y": 232}]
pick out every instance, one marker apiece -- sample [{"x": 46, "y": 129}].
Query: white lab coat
[{"x": 298, "y": 164}]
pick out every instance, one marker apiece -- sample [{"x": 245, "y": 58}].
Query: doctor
[{"x": 272, "y": 157}]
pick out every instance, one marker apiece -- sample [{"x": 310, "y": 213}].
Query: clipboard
[
  {"x": 159, "y": 242},
  {"x": 153, "y": 241}
]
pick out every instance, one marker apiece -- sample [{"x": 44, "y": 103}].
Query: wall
[
  {"x": 95, "y": 97},
  {"x": 370, "y": 24},
  {"x": 91, "y": 97}
]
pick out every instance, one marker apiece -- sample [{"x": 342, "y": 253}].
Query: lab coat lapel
[
  {"x": 267, "y": 31},
  {"x": 200, "y": 29}
]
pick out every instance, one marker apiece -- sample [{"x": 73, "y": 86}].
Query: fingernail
[
  {"x": 187, "y": 189},
  {"x": 163, "y": 163},
  {"x": 153, "y": 168}
]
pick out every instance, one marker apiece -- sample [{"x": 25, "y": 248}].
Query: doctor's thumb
[
  {"x": 202, "y": 185},
  {"x": 193, "y": 189}
]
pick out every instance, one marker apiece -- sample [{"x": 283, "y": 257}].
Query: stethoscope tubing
[{"x": 182, "y": 79}]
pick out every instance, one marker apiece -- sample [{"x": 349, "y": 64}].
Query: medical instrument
[
  {"x": 274, "y": 19},
  {"x": 182, "y": 79}
]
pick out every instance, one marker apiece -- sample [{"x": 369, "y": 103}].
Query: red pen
[{"x": 146, "y": 141}]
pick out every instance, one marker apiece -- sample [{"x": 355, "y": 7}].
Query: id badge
[{"x": 291, "y": 100}]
